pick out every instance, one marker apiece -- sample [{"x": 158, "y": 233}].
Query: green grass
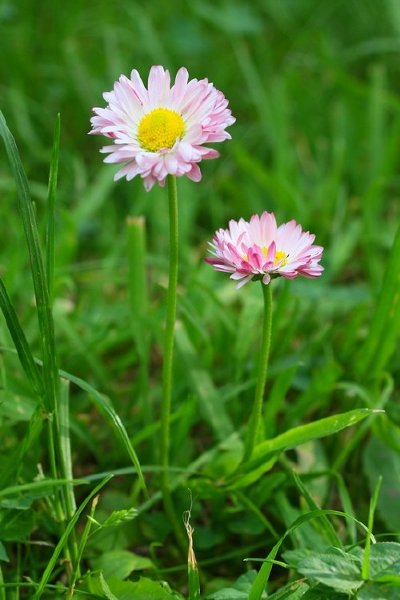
[{"x": 314, "y": 88}]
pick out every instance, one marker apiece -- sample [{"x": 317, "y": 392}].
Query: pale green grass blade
[
  {"x": 371, "y": 514},
  {"x": 139, "y": 307},
  {"x": 21, "y": 344},
  {"x": 83, "y": 542},
  {"x": 347, "y": 507},
  {"x": 385, "y": 326},
  {"x": 27, "y": 212},
  {"x": 65, "y": 446},
  {"x": 138, "y": 297},
  {"x": 64, "y": 539},
  {"x": 51, "y": 199},
  {"x": 108, "y": 411}
]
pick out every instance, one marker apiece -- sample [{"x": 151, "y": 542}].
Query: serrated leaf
[
  {"x": 121, "y": 563},
  {"x": 385, "y": 562},
  {"x": 334, "y": 568}
]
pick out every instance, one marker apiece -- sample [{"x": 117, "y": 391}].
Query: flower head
[
  {"x": 161, "y": 129},
  {"x": 260, "y": 249}
]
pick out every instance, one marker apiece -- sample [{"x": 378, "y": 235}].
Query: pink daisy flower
[
  {"x": 260, "y": 249},
  {"x": 161, "y": 130}
]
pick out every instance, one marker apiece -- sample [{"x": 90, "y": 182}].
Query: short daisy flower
[
  {"x": 161, "y": 130},
  {"x": 259, "y": 249}
]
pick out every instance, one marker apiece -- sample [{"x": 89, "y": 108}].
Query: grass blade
[
  {"x": 64, "y": 538},
  {"x": 21, "y": 344},
  {"x": 65, "y": 447},
  {"x": 27, "y": 212},
  {"x": 371, "y": 514},
  {"x": 385, "y": 325},
  {"x": 331, "y": 534},
  {"x": 51, "y": 197}
]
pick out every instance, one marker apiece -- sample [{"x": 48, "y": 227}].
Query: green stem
[
  {"x": 168, "y": 359},
  {"x": 255, "y": 418}
]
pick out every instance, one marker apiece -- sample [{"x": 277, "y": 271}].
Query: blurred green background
[{"x": 315, "y": 87}]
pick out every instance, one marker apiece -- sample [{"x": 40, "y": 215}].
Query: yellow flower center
[
  {"x": 280, "y": 255},
  {"x": 160, "y": 129}
]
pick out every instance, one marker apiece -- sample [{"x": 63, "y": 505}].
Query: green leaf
[
  {"x": 384, "y": 562},
  {"x": 304, "y": 433},
  {"x": 334, "y": 568},
  {"x": 375, "y": 591},
  {"x": 144, "y": 589},
  {"x": 121, "y": 563}
]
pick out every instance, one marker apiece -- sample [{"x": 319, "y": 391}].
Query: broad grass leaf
[
  {"x": 144, "y": 589},
  {"x": 121, "y": 563},
  {"x": 304, "y": 433}
]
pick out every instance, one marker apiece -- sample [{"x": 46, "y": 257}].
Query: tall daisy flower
[
  {"x": 161, "y": 130},
  {"x": 260, "y": 249}
]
